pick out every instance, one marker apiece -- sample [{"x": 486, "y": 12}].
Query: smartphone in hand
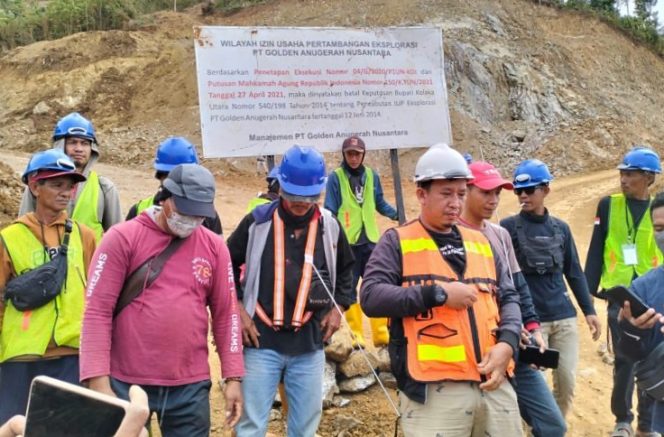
[
  {"x": 619, "y": 294},
  {"x": 532, "y": 355},
  {"x": 59, "y": 409}
]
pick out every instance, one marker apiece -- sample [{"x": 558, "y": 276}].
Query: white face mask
[
  {"x": 183, "y": 225},
  {"x": 659, "y": 239}
]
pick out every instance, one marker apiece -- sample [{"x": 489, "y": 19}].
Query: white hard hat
[{"x": 441, "y": 162}]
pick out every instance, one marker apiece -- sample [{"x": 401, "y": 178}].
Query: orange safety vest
[
  {"x": 444, "y": 343},
  {"x": 300, "y": 316}
]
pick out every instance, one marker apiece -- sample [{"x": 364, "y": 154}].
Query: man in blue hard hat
[
  {"x": 547, "y": 254},
  {"x": 621, "y": 249},
  {"x": 295, "y": 254},
  {"x": 45, "y": 339},
  {"x": 172, "y": 152},
  {"x": 95, "y": 202}
]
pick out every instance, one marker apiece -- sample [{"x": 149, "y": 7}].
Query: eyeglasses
[{"x": 527, "y": 190}]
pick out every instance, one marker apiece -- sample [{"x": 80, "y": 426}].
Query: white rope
[{"x": 363, "y": 352}]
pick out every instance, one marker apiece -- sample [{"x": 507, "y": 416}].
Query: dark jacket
[
  {"x": 637, "y": 343},
  {"x": 548, "y": 290},
  {"x": 382, "y": 295}
]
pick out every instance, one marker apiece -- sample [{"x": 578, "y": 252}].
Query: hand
[
  {"x": 460, "y": 296},
  {"x": 495, "y": 364},
  {"x": 539, "y": 339},
  {"x": 136, "y": 414},
  {"x": 525, "y": 338},
  {"x": 233, "y": 397},
  {"x": 102, "y": 384},
  {"x": 645, "y": 321},
  {"x": 13, "y": 427},
  {"x": 595, "y": 326},
  {"x": 330, "y": 324},
  {"x": 250, "y": 333}
]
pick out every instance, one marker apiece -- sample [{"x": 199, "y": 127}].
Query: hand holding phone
[
  {"x": 532, "y": 355},
  {"x": 619, "y": 294}
]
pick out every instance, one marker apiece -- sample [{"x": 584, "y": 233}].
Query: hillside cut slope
[{"x": 523, "y": 79}]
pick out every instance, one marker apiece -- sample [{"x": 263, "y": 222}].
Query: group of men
[{"x": 463, "y": 295}]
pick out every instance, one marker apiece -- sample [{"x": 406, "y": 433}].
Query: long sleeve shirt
[
  {"x": 548, "y": 290},
  {"x": 161, "y": 337},
  {"x": 309, "y": 336},
  {"x": 637, "y": 343},
  {"x": 333, "y": 195}
]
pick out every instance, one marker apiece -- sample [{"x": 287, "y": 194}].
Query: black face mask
[
  {"x": 294, "y": 220},
  {"x": 353, "y": 171}
]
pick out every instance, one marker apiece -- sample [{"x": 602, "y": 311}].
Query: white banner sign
[{"x": 261, "y": 90}]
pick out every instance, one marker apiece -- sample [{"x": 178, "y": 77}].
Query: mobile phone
[
  {"x": 619, "y": 294},
  {"x": 59, "y": 409},
  {"x": 532, "y": 355}
]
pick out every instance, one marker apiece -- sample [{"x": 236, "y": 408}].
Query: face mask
[
  {"x": 183, "y": 225},
  {"x": 659, "y": 239}
]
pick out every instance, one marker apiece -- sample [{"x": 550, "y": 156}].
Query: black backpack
[
  {"x": 650, "y": 373},
  {"x": 39, "y": 286}
]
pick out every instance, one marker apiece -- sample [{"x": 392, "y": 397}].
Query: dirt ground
[{"x": 573, "y": 199}]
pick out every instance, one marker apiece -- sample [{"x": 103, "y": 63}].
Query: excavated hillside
[{"x": 523, "y": 80}]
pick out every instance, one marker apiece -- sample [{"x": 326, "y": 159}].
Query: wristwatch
[{"x": 440, "y": 296}]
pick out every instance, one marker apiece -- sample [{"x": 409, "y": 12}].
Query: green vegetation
[
  {"x": 641, "y": 24},
  {"x": 26, "y": 21}
]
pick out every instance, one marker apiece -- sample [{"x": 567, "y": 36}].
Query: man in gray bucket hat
[{"x": 158, "y": 339}]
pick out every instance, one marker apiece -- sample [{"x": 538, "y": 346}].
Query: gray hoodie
[{"x": 108, "y": 208}]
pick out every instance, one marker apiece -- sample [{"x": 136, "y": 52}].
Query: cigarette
[{"x": 521, "y": 205}]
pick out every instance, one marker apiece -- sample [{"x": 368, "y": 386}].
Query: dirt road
[{"x": 573, "y": 199}]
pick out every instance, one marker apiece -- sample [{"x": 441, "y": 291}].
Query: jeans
[
  {"x": 182, "y": 410},
  {"x": 16, "y": 377},
  {"x": 536, "y": 403},
  {"x": 303, "y": 381},
  {"x": 623, "y": 381},
  {"x": 563, "y": 336}
]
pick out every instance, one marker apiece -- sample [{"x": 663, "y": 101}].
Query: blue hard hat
[
  {"x": 52, "y": 159},
  {"x": 302, "y": 171},
  {"x": 74, "y": 125},
  {"x": 174, "y": 151},
  {"x": 531, "y": 173},
  {"x": 641, "y": 158}
]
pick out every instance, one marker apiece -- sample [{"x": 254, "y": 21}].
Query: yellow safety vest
[
  {"x": 85, "y": 210},
  {"x": 144, "y": 204},
  {"x": 253, "y": 203},
  {"x": 614, "y": 270},
  {"x": 354, "y": 216},
  {"x": 30, "y": 332}
]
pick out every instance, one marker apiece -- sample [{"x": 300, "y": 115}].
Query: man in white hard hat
[{"x": 455, "y": 317}]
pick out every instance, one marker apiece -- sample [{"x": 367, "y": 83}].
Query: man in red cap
[
  {"x": 536, "y": 403},
  {"x": 353, "y": 195}
]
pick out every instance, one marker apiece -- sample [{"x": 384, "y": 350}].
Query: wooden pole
[{"x": 398, "y": 193}]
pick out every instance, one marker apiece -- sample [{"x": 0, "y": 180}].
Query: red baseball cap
[
  {"x": 487, "y": 177},
  {"x": 353, "y": 143}
]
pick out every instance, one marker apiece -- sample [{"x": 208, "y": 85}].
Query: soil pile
[{"x": 10, "y": 194}]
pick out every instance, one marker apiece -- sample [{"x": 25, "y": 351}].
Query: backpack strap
[{"x": 145, "y": 275}]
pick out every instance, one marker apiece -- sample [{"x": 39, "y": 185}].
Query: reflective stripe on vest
[
  {"x": 441, "y": 344},
  {"x": 354, "y": 216},
  {"x": 300, "y": 317},
  {"x": 144, "y": 204},
  {"x": 614, "y": 270},
  {"x": 87, "y": 204},
  {"x": 253, "y": 203},
  {"x": 30, "y": 332}
]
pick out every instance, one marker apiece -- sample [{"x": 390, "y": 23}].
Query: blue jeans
[
  {"x": 536, "y": 403},
  {"x": 303, "y": 380},
  {"x": 182, "y": 410},
  {"x": 16, "y": 377}
]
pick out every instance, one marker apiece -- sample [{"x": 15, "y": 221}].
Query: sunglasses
[{"x": 527, "y": 190}]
